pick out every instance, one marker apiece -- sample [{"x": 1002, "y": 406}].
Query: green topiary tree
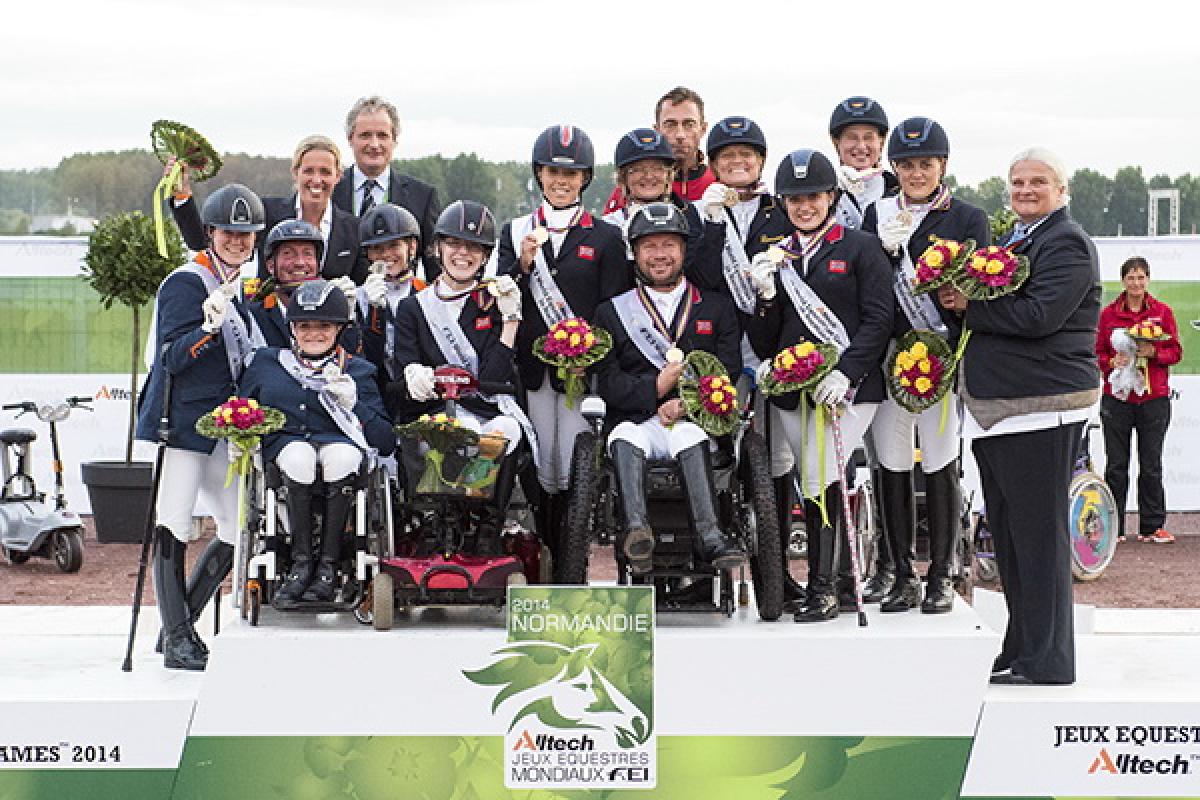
[{"x": 123, "y": 266}]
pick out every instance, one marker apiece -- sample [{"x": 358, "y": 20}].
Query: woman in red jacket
[{"x": 1147, "y": 411}]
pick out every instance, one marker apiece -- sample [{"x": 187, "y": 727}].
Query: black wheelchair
[{"x": 745, "y": 508}]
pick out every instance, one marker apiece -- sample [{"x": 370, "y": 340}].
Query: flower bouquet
[
  {"x": 191, "y": 151},
  {"x": 244, "y": 422},
  {"x": 921, "y": 371},
  {"x": 799, "y": 368},
  {"x": 474, "y": 457},
  {"x": 1148, "y": 330},
  {"x": 572, "y": 345},
  {"x": 940, "y": 262},
  {"x": 709, "y": 397},
  {"x": 991, "y": 272}
]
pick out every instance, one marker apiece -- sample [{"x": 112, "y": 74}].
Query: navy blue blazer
[
  {"x": 591, "y": 267},
  {"x": 960, "y": 221},
  {"x": 705, "y": 268},
  {"x": 1040, "y": 340},
  {"x": 628, "y": 381},
  {"x": 480, "y": 321},
  {"x": 307, "y": 420},
  {"x": 850, "y": 272},
  {"x": 407, "y": 192},
  {"x": 195, "y": 361}
]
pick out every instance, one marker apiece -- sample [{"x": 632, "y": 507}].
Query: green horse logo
[{"x": 561, "y": 687}]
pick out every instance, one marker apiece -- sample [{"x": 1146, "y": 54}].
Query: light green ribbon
[{"x": 160, "y": 195}]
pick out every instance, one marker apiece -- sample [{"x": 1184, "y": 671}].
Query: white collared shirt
[
  {"x": 325, "y": 227},
  {"x": 667, "y": 302},
  {"x": 379, "y": 192}
]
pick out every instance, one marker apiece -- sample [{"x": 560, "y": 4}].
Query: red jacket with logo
[{"x": 1117, "y": 314}]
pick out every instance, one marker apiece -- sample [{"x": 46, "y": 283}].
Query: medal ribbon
[
  {"x": 539, "y": 217},
  {"x": 682, "y": 315}
]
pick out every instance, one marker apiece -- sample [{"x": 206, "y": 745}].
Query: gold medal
[
  {"x": 674, "y": 356},
  {"x": 776, "y": 254},
  {"x": 731, "y": 197},
  {"x": 541, "y": 235}
]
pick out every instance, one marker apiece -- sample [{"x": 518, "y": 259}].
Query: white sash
[
  {"x": 621, "y": 218},
  {"x": 920, "y": 309},
  {"x": 735, "y": 264},
  {"x": 457, "y": 350},
  {"x": 239, "y": 339},
  {"x": 851, "y": 207},
  {"x": 641, "y": 328},
  {"x": 344, "y": 418},
  {"x": 549, "y": 299},
  {"x": 816, "y": 316}
]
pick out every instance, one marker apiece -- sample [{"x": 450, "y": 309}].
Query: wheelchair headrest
[{"x": 593, "y": 407}]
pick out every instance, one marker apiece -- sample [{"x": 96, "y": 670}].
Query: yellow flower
[
  {"x": 919, "y": 350},
  {"x": 905, "y": 360},
  {"x": 924, "y": 365},
  {"x": 243, "y": 410},
  {"x": 923, "y": 384},
  {"x": 589, "y": 339},
  {"x": 227, "y": 413},
  {"x": 897, "y": 371},
  {"x": 954, "y": 247},
  {"x": 572, "y": 323},
  {"x": 560, "y": 335},
  {"x": 717, "y": 396},
  {"x": 994, "y": 267},
  {"x": 732, "y": 392},
  {"x": 575, "y": 337},
  {"x": 252, "y": 403},
  {"x": 905, "y": 382},
  {"x": 787, "y": 360},
  {"x": 804, "y": 348},
  {"x": 934, "y": 258}
]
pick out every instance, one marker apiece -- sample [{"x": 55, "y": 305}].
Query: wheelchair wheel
[
  {"x": 1093, "y": 522},
  {"x": 762, "y": 534},
  {"x": 864, "y": 524},
  {"x": 572, "y": 565},
  {"x": 383, "y": 601}
]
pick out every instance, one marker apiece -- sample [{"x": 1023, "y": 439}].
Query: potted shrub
[{"x": 124, "y": 266}]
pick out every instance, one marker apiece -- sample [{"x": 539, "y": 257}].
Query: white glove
[
  {"x": 762, "y": 275},
  {"x": 235, "y": 451},
  {"x": 375, "y": 288},
  {"x": 508, "y": 297},
  {"x": 344, "y": 391},
  {"x": 419, "y": 380},
  {"x": 713, "y": 201},
  {"x": 764, "y": 369},
  {"x": 348, "y": 288},
  {"x": 894, "y": 234},
  {"x": 832, "y": 389},
  {"x": 216, "y": 306}
]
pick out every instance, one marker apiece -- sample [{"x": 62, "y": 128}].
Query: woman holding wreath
[
  {"x": 832, "y": 288},
  {"x": 907, "y": 223},
  {"x": 1029, "y": 384}
]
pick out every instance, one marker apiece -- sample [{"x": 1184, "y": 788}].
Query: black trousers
[
  {"x": 1026, "y": 478},
  {"x": 1150, "y": 419}
]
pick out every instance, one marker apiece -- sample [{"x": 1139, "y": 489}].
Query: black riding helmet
[
  {"x": 858, "y": 111},
  {"x": 293, "y": 230},
  {"x": 805, "y": 172},
  {"x": 318, "y": 301},
  {"x": 234, "y": 208},
  {"x": 564, "y": 146},
  {"x": 470, "y": 221},
  {"x": 657, "y": 218},
  {"x": 388, "y": 222},
  {"x": 736, "y": 130},
  {"x": 918, "y": 136},
  {"x": 642, "y": 144}
]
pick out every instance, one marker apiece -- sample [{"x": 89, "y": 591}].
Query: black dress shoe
[
  {"x": 1002, "y": 664},
  {"x": 820, "y": 608},
  {"x": 877, "y": 588},
  {"x": 939, "y": 596},
  {"x": 1010, "y": 679},
  {"x": 904, "y": 596}
]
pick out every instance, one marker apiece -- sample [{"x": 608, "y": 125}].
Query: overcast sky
[{"x": 1105, "y": 84}]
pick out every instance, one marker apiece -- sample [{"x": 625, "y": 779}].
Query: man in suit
[
  {"x": 1030, "y": 384},
  {"x": 651, "y": 326},
  {"x": 372, "y": 125}
]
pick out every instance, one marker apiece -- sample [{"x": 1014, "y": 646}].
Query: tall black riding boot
[
  {"x": 899, "y": 523},
  {"x": 180, "y": 647},
  {"x": 629, "y": 464},
  {"x": 793, "y": 591},
  {"x": 712, "y": 545},
  {"x": 211, "y": 568},
  {"x": 944, "y": 507},
  {"x": 339, "y": 497},
  {"x": 298, "y": 499},
  {"x": 883, "y": 577},
  {"x": 846, "y": 594},
  {"x": 821, "y": 603}
]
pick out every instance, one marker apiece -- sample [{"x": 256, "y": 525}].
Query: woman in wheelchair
[
  {"x": 334, "y": 416},
  {"x": 652, "y": 325},
  {"x": 833, "y": 286},
  {"x": 457, "y": 321}
]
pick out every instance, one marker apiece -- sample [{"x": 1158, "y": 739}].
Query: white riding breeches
[
  {"x": 187, "y": 476},
  {"x": 656, "y": 440},
  {"x": 556, "y": 426},
  {"x": 892, "y": 431},
  {"x": 338, "y": 460},
  {"x": 805, "y": 446}
]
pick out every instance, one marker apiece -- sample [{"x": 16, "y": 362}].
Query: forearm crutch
[{"x": 851, "y": 537}]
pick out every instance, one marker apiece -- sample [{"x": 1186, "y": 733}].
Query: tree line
[{"x": 99, "y": 184}]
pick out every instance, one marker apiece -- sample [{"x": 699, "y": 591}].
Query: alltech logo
[
  {"x": 1135, "y": 749},
  {"x": 113, "y": 393}
]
